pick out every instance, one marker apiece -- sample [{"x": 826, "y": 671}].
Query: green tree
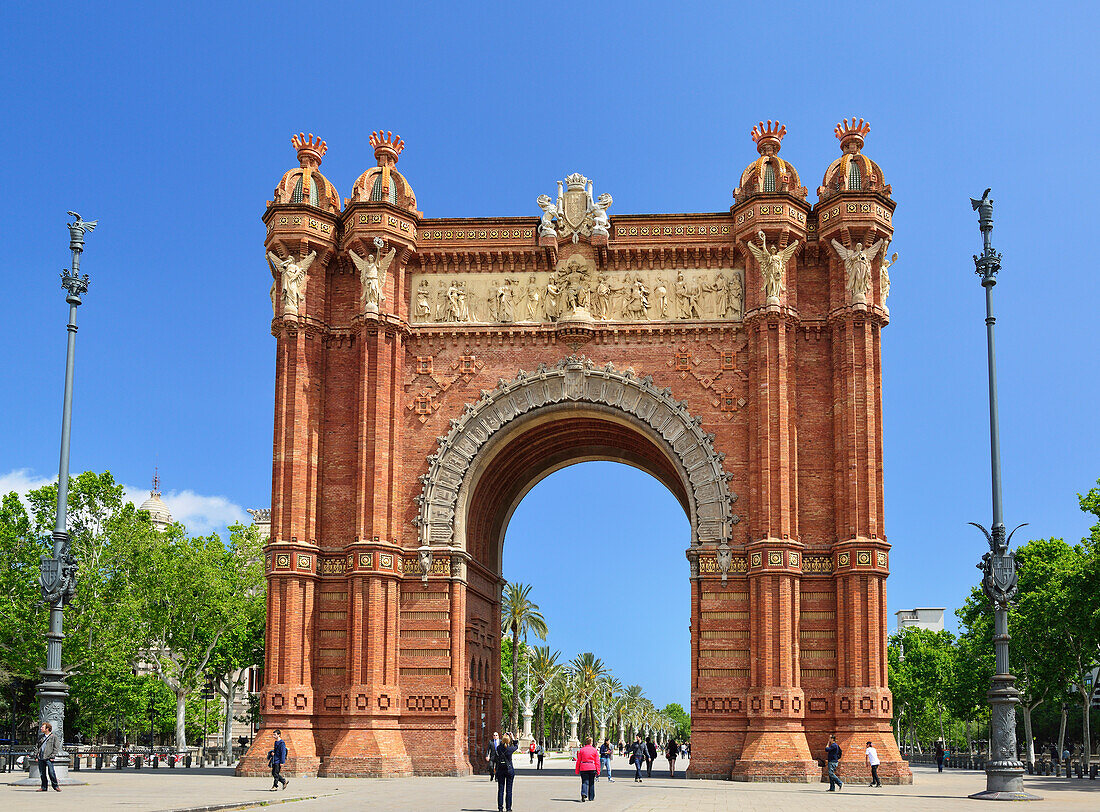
[
  {"x": 241, "y": 645},
  {"x": 544, "y": 669},
  {"x": 588, "y": 670},
  {"x": 680, "y": 718},
  {"x": 187, "y": 592},
  {"x": 518, "y": 615}
]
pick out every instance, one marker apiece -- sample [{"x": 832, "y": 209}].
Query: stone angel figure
[
  {"x": 549, "y": 215},
  {"x": 857, "y": 266},
  {"x": 293, "y": 273},
  {"x": 773, "y": 266},
  {"x": 884, "y": 275},
  {"x": 372, "y": 274}
]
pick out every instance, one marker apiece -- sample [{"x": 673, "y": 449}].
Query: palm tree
[
  {"x": 544, "y": 667},
  {"x": 589, "y": 669},
  {"x": 518, "y": 615}
]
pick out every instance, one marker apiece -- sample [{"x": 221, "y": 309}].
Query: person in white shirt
[{"x": 872, "y": 759}]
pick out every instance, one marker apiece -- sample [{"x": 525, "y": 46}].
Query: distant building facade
[{"x": 921, "y": 618}]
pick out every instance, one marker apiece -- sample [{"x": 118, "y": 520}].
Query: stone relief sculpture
[
  {"x": 293, "y": 279},
  {"x": 857, "y": 267},
  {"x": 884, "y": 274},
  {"x": 575, "y": 214},
  {"x": 372, "y": 275},
  {"x": 422, "y": 309},
  {"x": 773, "y": 266},
  {"x": 576, "y": 290}
]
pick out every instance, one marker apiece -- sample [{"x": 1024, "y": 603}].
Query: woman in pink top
[{"x": 588, "y": 767}]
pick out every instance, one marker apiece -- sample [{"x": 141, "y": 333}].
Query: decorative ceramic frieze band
[{"x": 577, "y": 379}]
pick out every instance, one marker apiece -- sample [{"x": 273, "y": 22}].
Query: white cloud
[
  {"x": 22, "y": 480},
  {"x": 198, "y": 513}
]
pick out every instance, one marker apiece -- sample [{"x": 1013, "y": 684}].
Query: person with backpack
[
  {"x": 540, "y": 753},
  {"x": 588, "y": 768},
  {"x": 505, "y": 772},
  {"x": 832, "y": 755},
  {"x": 277, "y": 758}
]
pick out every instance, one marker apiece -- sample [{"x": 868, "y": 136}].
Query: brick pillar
[
  {"x": 369, "y": 741},
  {"x": 291, "y": 554},
  {"x": 775, "y": 747},
  {"x": 863, "y": 704}
]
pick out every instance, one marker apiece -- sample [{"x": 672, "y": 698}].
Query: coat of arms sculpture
[{"x": 576, "y": 214}]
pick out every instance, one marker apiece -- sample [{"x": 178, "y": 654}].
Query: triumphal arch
[{"x": 429, "y": 371}]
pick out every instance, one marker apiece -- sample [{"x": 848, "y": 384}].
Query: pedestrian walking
[
  {"x": 540, "y": 753},
  {"x": 504, "y": 771},
  {"x": 940, "y": 754},
  {"x": 588, "y": 768},
  {"x": 622, "y": 747},
  {"x": 650, "y": 754},
  {"x": 832, "y": 755},
  {"x": 531, "y": 752},
  {"x": 672, "y": 749},
  {"x": 637, "y": 757},
  {"x": 48, "y": 748},
  {"x": 1066, "y": 759},
  {"x": 872, "y": 761},
  {"x": 491, "y": 755},
  {"x": 277, "y": 758},
  {"x": 605, "y": 759}
]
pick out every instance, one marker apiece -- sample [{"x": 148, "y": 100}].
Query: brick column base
[
  {"x": 776, "y": 755},
  {"x": 367, "y": 753},
  {"x": 301, "y": 751}
]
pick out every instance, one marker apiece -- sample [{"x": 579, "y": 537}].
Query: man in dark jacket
[
  {"x": 650, "y": 754},
  {"x": 48, "y": 748},
  {"x": 832, "y": 755},
  {"x": 278, "y": 759}
]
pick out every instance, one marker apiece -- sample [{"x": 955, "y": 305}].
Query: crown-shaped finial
[
  {"x": 768, "y": 137},
  {"x": 851, "y": 135},
  {"x": 387, "y": 146},
  {"x": 310, "y": 149},
  {"x": 156, "y": 483}
]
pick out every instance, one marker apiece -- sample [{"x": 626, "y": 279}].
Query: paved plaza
[{"x": 554, "y": 789}]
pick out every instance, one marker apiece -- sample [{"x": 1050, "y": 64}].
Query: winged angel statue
[
  {"x": 857, "y": 266},
  {"x": 372, "y": 274},
  {"x": 773, "y": 264},
  {"x": 293, "y": 272}
]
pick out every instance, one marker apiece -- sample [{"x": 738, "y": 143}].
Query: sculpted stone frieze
[
  {"x": 549, "y": 296},
  {"x": 575, "y": 379}
]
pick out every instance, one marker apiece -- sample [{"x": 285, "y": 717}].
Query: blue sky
[{"x": 171, "y": 125}]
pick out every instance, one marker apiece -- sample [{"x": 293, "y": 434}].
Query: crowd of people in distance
[{"x": 589, "y": 762}]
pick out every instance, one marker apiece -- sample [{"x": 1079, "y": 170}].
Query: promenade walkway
[{"x": 553, "y": 789}]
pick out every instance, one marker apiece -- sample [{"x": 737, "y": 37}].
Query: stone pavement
[{"x": 554, "y": 789}]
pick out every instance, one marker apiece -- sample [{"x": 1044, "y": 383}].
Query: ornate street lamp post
[
  {"x": 57, "y": 576},
  {"x": 1004, "y": 772}
]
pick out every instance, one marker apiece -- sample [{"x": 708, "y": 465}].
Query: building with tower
[
  {"x": 430, "y": 371},
  {"x": 155, "y": 507}
]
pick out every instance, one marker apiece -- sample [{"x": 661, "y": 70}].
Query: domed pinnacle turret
[
  {"x": 853, "y": 171},
  {"x": 383, "y": 183},
  {"x": 306, "y": 185},
  {"x": 769, "y": 174}
]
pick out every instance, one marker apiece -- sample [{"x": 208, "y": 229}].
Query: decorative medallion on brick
[
  {"x": 863, "y": 558},
  {"x": 282, "y": 561},
  {"x": 843, "y": 560},
  {"x": 775, "y": 558},
  {"x": 385, "y": 561},
  {"x": 792, "y": 559},
  {"x": 757, "y": 559},
  {"x": 366, "y": 560},
  {"x": 576, "y": 379},
  {"x": 881, "y": 559},
  {"x": 305, "y": 562}
]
